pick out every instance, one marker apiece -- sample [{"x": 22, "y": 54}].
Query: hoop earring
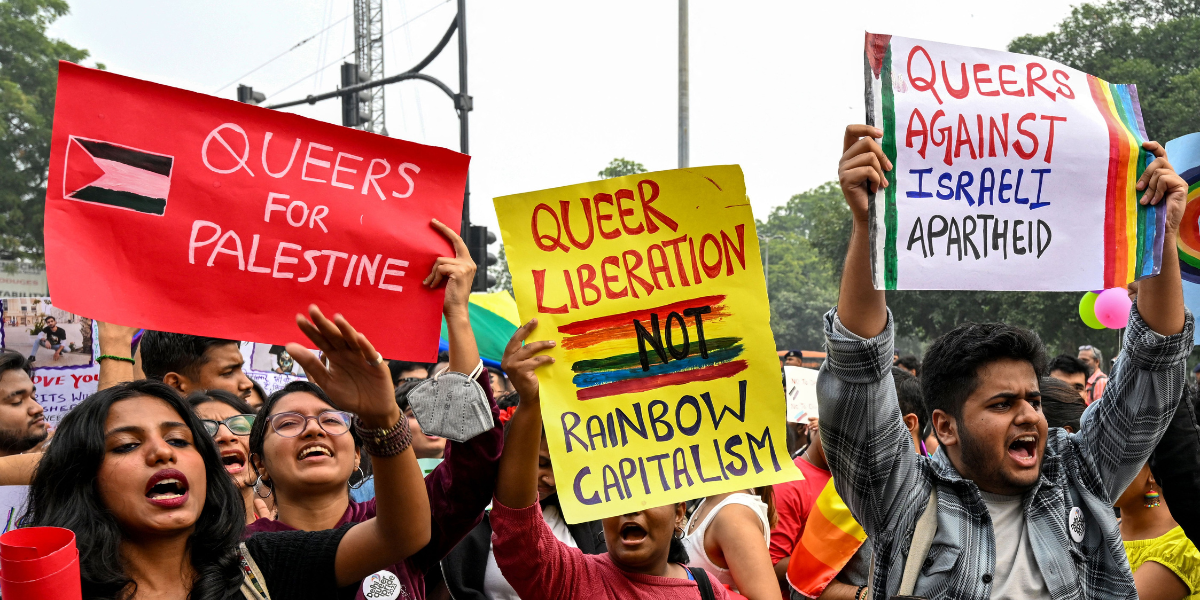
[
  {"x": 259, "y": 485},
  {"x": 1151, "y": 498},
  {"x": 362, "y": 478}
]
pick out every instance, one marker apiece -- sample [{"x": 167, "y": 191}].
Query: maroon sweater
[
  {"x": 538, "y": 566},
  {"x": 459, "y": 490}
]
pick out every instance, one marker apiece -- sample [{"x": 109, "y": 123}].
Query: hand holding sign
[
  {"x": 520, "y": 360},
  {"x": 1161, "y": 181},
  {"x": 354, "y": 379},
  {"x": 458, "y": 271},
  {"x": 861, "y": 169}
]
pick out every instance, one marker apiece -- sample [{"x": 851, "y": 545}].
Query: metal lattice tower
[{"x": 368, "y": 54}]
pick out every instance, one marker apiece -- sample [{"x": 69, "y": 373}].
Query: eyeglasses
[
  {"x": 237, "y": 425},
  {"x": 291, "y": 424},
  {"x": 1089, "y": 348}
]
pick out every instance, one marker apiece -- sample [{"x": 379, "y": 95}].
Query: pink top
[{"x": 539, "y": 566}]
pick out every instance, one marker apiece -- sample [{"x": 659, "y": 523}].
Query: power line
[
  {"x": 351, "y": 53},
  {"x": 280, "y": 55}
]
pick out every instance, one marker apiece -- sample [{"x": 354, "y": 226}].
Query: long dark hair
[
  {"x": 258, "y": 433},
  {"x": 63, "y": 494},
  {"x": 197, "y": 398}
]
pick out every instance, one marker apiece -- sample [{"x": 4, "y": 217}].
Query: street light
[{"x": 765, "y": 240}]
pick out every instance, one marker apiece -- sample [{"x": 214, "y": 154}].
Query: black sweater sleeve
[
  {"x": 298, "y": 564},
  {"x": 1176, "y": 465}
]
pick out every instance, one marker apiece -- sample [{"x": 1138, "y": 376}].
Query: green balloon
[{"x": 1087, "y": 311}]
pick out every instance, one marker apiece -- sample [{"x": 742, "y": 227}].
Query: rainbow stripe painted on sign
[
  {"x": 831, "y": 537},
  {"x": 1132, "y": 233},
  {"x": 650, "y": 348}
]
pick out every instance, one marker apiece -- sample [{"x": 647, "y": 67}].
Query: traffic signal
[
  {"x": 355, "y": 107},
  {"x": 247, "y": 95},
  {"x": 478, "y": 239}
]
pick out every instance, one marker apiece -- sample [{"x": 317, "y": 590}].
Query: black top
[
  {"x": 54, "y": 335},
  {"x": 300, "y": 564}
]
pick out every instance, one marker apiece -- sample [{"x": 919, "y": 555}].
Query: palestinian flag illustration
[{"x": 107, "y": 173}]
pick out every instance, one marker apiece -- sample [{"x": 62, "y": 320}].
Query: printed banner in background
[
  {"x": 1184, "y": 153},
  {"x": 62, "y": 378},
  {"x": 1011, "y": 172},
  {"x": 206, "y": 206},
  {"x": 666, "y": 385},
  {"x": 270, "y": 366},
  {"x": 800, "y": 385}
]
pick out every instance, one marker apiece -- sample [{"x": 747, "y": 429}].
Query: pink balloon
[{"x": 1112, "y": 308}]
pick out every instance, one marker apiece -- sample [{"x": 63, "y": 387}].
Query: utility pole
[
  {"x": 683, "y": 84},
  {"x": 368, "y": 55},
  {"x": 464, "y": 108}
]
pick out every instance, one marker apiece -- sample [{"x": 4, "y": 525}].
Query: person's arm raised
[
  {"x": 115, "y": 340},
  {"x": 459, "y": 273},
  {"x": 1160, "y": 298},
  {"x": 861, "y": 308},
  {"x": 516, "y": 487},
  {"x": 358, "y": 381}
]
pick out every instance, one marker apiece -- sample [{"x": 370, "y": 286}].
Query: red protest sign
[{"x": 176, "y": 211}]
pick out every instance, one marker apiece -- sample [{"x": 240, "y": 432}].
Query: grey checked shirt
[{"x": 887, "y": 485}]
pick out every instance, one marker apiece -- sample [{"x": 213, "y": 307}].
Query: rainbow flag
[
  {"x": 831, "y": 536},
  {"x": 1132, "y": 237},
  {"x": 1184, "y": 152},
  {"x": 677, "y": 343},
  {"x": 494, "y": 320}
]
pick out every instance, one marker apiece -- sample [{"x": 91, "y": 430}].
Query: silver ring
[{"x": 378, "y": 360}]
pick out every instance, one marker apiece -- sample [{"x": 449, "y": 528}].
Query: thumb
[{"x": 261, "y": 510}]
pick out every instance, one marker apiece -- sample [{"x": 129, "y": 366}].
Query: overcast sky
[{"x": 563, "y": 87}]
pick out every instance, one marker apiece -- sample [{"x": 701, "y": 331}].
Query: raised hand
[
  {"x": 521, "y": 359},
  {"x": 458, "y": 272},
  {"x": 1160, "y": 181},
  {"x": 356, "y": 377},
  {"x": 861, "y": 168}
]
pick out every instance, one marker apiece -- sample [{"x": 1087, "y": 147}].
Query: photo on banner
[
  {"x": 241, "y": 203},
  {"x": 63, "y": 346},
  {"x": 270, "y": 366},
  {"x": 666, "y": 385},
  {"x": 1010, "y": 172}
]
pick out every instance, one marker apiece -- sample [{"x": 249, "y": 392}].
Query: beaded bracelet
[
  {"x": 112, "y": 357},
  {"x": 385, "y": 441}
]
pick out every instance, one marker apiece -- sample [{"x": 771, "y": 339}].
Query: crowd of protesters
[{"x": 984, "y": 469}]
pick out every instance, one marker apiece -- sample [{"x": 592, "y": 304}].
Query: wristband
[
  {"x": 385, "y": 441},
  {"x": 112, "y": 357},
  {"x": 860, "y": 592}
]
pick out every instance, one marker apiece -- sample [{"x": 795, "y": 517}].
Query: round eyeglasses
[
  {"x": 291, "y": 424},
  {"x": 237, "y": 425}
]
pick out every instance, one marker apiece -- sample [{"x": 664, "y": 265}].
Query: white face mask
[{"x": 452, "y": 405}]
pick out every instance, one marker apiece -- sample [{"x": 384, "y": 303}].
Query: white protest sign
[
  {"x": 800, "y": 384},
  {"x": 1011, "y": 172},
  {"x": 65, "y": 371},
  {"x": 13, "y": 499}
]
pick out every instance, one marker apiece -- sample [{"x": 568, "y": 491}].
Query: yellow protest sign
[{"x": 666, "y": 385}]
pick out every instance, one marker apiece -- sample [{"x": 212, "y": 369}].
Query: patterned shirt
[{"x": 1072, "y": 527}]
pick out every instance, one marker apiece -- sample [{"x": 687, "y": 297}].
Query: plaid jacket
[{"x": 887, "y": 485}]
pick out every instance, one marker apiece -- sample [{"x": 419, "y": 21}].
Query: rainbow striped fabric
[
  {"x": 1133, "y": 233},
  {"x": 689, "y": 348},
  {"x": 831, "y": 537},
  {"x": 1185, "y": 157}
]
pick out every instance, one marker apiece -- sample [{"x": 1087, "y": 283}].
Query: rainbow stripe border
[{"x": 1133, "y": 234}]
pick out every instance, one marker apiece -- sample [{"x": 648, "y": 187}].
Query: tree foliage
[
  {"x": 28, "y": 80},
  {"x": 1152, "y": 43},
  {"x": 619, "y": 167}
]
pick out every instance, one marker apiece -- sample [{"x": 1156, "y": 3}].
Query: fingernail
[
  {"x": 551, "y": 342},
  {"x": 435, "y": 220}
]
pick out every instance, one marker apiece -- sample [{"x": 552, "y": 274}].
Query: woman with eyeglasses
[
  {"x": 228, "y": 420},
  {"x": 305, "y": 454}
]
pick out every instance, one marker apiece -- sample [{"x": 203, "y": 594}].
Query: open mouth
[
  {"x": 632, "y": 533},
  {"x": 167, "y": 488},
  {"x": 234, "y": 461},
  {"x": 1023, "y": 449},
  {"x": 314, "y": 452}
]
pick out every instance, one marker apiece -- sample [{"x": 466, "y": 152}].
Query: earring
[
  {"x": 1151, "y": 498},
  {"x": 362, "y": 478},
  {"x": 259, "y": 485}
]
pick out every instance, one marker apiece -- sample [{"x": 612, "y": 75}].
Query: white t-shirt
[
  {"x": 495, "y": 586},
  {"x": 1017, "y": 573}
]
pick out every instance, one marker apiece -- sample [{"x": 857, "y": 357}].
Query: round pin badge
[
  {"x": 383, "y": 585},
  {"x": 1076, "y": 524}
]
